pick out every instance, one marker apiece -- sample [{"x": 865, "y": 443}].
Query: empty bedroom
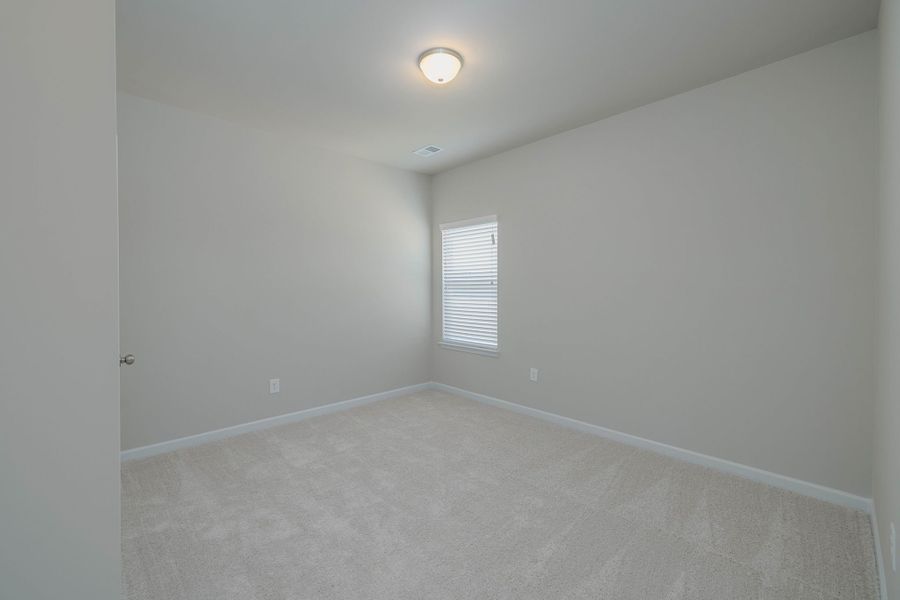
[{"x": 376, "y": 300}]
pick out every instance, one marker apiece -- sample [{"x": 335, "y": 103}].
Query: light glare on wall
[{"x": 440, "y": 65}]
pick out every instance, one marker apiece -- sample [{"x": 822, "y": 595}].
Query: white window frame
[{"x": 455, "y": 345}]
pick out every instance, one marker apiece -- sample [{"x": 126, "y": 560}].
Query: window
[{"x": 469, "y": 285}]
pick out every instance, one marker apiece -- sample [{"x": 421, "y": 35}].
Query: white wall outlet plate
[
  {"x": 274, "y": 386},
  {"x": 533, "y": 375}
]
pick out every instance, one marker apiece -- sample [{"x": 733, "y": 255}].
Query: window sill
[{"x": 469, "y": 349}]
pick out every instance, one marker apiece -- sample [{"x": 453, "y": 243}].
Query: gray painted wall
[
  {"x": 59, "y": 374},
  {"x": 887, "y": 410},
  {"x": 246, "y": 257},
  {"x": 700, "y": 271}
]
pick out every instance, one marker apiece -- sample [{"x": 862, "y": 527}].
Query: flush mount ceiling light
[{"x": 440, "y": 65}]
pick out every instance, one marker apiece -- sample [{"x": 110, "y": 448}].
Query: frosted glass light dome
[{"x": 440, "y": 65}]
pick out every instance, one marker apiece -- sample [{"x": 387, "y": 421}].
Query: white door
[{"x": 59, "y": 372}]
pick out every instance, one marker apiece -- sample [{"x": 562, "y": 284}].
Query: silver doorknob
[{"x": 128, "y": 359}]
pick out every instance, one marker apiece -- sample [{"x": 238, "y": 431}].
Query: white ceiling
[{"x": 343, "y": 74}]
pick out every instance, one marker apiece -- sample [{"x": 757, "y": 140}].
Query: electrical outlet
[
  {"x": 274, "y": 386},
  {"x": 534, "y": 374},
  {"x": 893, "y": 548}
]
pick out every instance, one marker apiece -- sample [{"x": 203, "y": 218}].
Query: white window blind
[{"x": 469, "y": 277}]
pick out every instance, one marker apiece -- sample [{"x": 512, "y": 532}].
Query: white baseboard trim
[
  {"x": 879, "y": 557},
  {"x": 300, "y": 415},
  {"x": 774, "y": 479}
]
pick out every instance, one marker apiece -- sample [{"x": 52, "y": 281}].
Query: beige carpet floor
[{"x": 435, "y": 496}]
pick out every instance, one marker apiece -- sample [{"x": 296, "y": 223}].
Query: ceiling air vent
[{"x": 427, "y": 151}]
